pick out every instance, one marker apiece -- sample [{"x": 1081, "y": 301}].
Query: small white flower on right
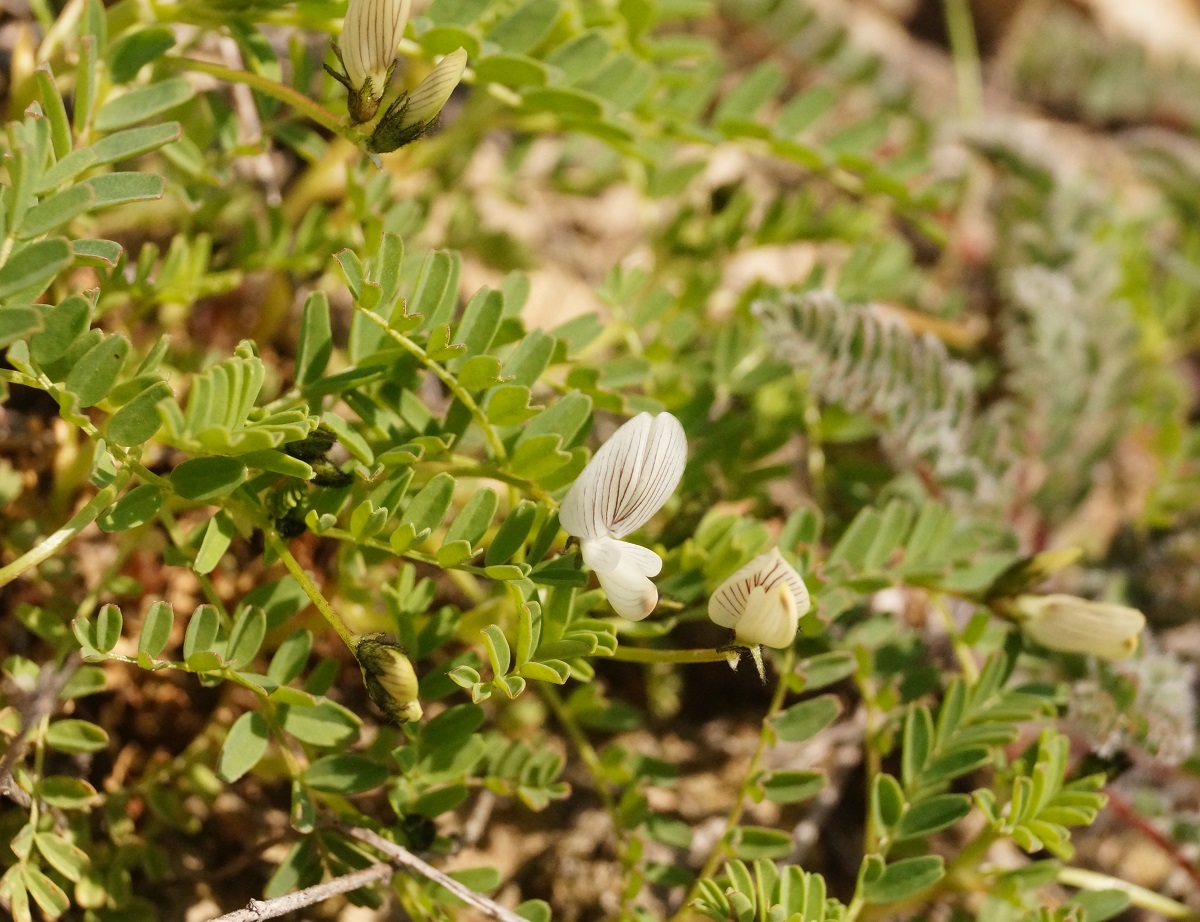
[
  {"x": 1074, "y": 625},
  {"x": 762, "y": 602}
]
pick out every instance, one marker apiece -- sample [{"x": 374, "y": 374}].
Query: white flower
[
  {"x": 1074, "y": 625},
  {"x": 371, "y": 33},
  {"x": 627, "y": 481},
  {"x": 411, "y": 114},
  {"x": 762, "y": 602}
]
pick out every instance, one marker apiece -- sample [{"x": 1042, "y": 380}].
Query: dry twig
[
  {"x": 257, "y": 910},
  {"x": 402, "y": 857}
]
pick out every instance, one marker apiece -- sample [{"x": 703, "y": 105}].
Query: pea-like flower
[
  {"x": 627, "y": 481},
  {"x": 1074, "y": 625},
  {"x": 389, "y": 676},
  {"x": 371, "y": 33},
  {"x": 762, "y": 602},
  {"x": 412, "y": 114}
]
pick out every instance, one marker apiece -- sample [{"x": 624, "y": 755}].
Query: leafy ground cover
[{"x": 320, "y": 592}]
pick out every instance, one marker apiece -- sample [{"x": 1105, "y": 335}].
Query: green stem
[
  {"x": 587, "y": 752},
  {"x": 966, "y": 659},
  {"x": 460, "y": 393},
  {"x": 1140, "y": 896},
  {"x": 309, "y": 587},
  {"x": 652, "y": 655},
  {"x": 739, "y": 804},
  {"x": 297, "y": 100},
  {"x": 965, "y": 51},
  {"x": 77, "y": 523}
]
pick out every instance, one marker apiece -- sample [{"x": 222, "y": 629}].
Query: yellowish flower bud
[
  {"x": 412, "y": 114},
  {"x": 762, "y": 602},
  {"x": 1074, "y": 625},
  {"x": 389, "y": 677}
]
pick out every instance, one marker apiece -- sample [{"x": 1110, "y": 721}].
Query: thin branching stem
[
  {"x": 48, "y": 547},
  {"x": 286, "y": 94},
  {"x": 460, "y": 393},
  {"x": 765, "y": 735}
]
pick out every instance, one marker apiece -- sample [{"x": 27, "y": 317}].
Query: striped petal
[
  {"x": 770, "y": 618},
  {"x": 426, "y": 101},
  {"x": 371, "y": 33},
  {"x": 731, "y": 603},
  {"x": 628, "y": 480}
]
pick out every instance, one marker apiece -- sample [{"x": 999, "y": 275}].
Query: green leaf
[
  {"x": 430, "y": 506},
  {"x": 904, "y": 878},
  {"x": 246, "y": 637},
  {"x": 499, "y": 654},
  {"x": 887, "y": 802},
  {"x": 57, "y": 210},
  {"x": 156, "y": 630},
  {"x": 144, "y": 102},
  {"x": 94, "y": 375},
  {"x": 32, "y": 268},
  {"x": 76, "y": 736},
  {"x": 201, "y": 633},
  {"x": 133, "y": 142},
  {"x": 56, "y": 111},
  {"x": 1101, "y": 905},
  {"x": 123, "y": 188},
  {"x": 87, "y": 680},
  {"x": 473, "y": 521},
  {"x": 514, "y": 70},
  {"x": 245, "y": 745},
  {"x": 508, "y": 405},
  {"x": 480, "y": 321},
  {"x": 512, "y": 533},
  {"x": 529, "y": 360},
  {"x": 218, "y": 535},
  {"x": 932, "y": 814},
  {"x": 749, "y": 842},
  {"x": 108, "y": 628},
  {"x": 69, "y": 860},
  {"x": 62, "y": 325},
  {"x": 67, "y": 793},
  {"x": 751, "y": 94},
  {"x": 827, "y": 668},
  {"x": 480, "y": 372},
  {"x": 325, "y": 724},
  {"x": 806, "y": 719},
  {"x": 291, "y": 657},
  {"x": 21, "y": 321},
  {"x": 785, "y": 787},
  {"x": 202, "y": 479},
  {"x": 100, "y": 254},
  {"x": 46, "y": 893},
  {"x": 130, "y": 53},
  {"x": 565, "y": 417},
  {"x": 523, "y": 29},
  {"x": 138, "y": 421},
  {"x": 345, "y": 773},
  {"x": 137, "y": 507},
  {"x": 316, "y": 339}
]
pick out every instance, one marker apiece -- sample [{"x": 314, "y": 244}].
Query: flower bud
[
  {"x": 370, "y": 34},
  {"x": 389, "y": 677},
  {"x": 1074, "y": 625},
  {"x": 413, "y": 113},
  {"x": 762, "y": 602}
]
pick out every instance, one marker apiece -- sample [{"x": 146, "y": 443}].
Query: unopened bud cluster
[{"x": 371, "y": 33}]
